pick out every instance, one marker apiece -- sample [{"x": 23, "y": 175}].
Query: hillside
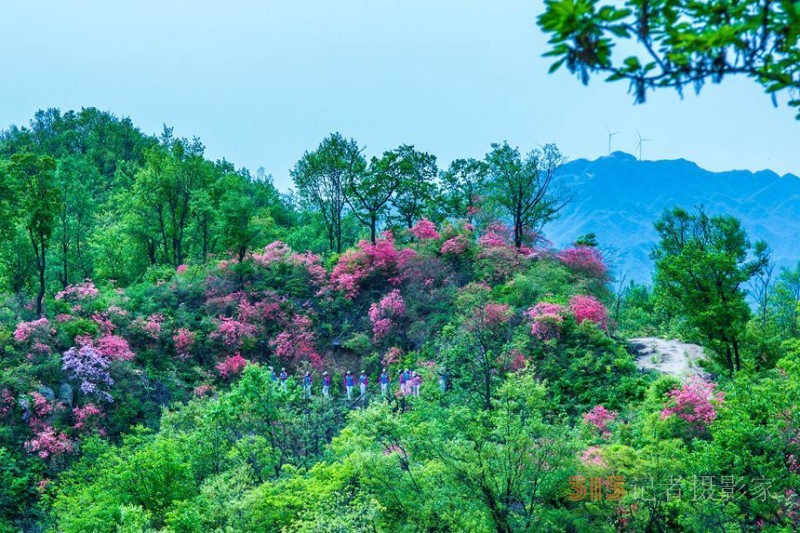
[
  {"x": 185, "y": 349},
  {"x": 618, "y": 198}
]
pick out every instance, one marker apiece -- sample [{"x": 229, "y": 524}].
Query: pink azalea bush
[
  {"x": 87, "y": 418},
  {"x": 584, "y": 260},
  {"x": 546, "y": 320},
  {"x": 39, "y": 329},
  {"x": 6, "y": 402},
  {"x": 280, "y": 253},
  {"x": 425, "y": 230},
  {"x": 593, "y": 457},
  {"x": 49, "y": 442},
  {"x": 589, "y": 308},
  {"x": 296, "y": 343},
  {"x": 599, "y": 418},
  {"x": 184, "y": 340},
  {"x": 392, "y": 356},
  {"x": 493, "y": 314},
  {"x": 232, "y": 332},
  {"x": 695, "y": 402},
  {"x": 355, "y": 266},
  {"x": 181, "y": 269},
  {"x": 80, "y": 291},
  {"x": 232, "y": 366},
  {"x": 115, "y": 348},
  {"x": 455, "y": 246},
  {"x": 384, "y": 314}
]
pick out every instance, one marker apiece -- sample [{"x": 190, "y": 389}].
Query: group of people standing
[{"x": 410, "y": 382}]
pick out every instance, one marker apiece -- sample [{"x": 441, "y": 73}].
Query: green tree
[
  {"x": 463, "y": 187},
  {"x": 785, "y": 302},
  {"x": 368, "y": 192},
  {"x": 701, "y": 265},
  {"x": 677, "y": 43},
  {"x": 38, "y": 206},
  {"x": 321, "y": 178},
  {"x": 523, "y": 186},
  {"x": 416, "y": 186}
]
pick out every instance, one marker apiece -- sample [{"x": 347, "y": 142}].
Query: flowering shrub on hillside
[
  {"x": 232, "y": 332},
  {"x": 695, "y": 402},
  {"x": 115, "y": 348},
  {"x": 455, "y": 246},
  {"x": 48, "y": 443},
  {"x": 599, "y": 418},
  {"x": 90, "y": 367},
  {"x": 296, "y": 343},
  {"x": 80, "y": 291},
  {"x": 384, "y": 313},
  {"x": 232, "y": 366},
  {"x": 280, "y": 253},
  {"x": 87, "y": 418},
  {"x": 184, "y": 340},
  {"x": 547, "y": 319},
  {"x": 355, "y": 266},
  {"x": 37, "y": 329},
  {"x": 593, "y": 456},
  {"x": 424, "y": 230},
  {"x": 584, "y": 260},
  {"x": 589, "y": 308}
]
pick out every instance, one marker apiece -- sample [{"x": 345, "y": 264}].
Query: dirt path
[{"x": 667, "y": 356}]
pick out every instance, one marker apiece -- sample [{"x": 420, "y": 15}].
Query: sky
[{"x": 262, "y": 82}]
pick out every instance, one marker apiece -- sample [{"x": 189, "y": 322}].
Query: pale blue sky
[{"x": 260, "y": 82}]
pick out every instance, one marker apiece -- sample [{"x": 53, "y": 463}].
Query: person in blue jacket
[
  {"x": 349, "y": 382},
  {"x": 384, "y": 380},
  {"x": 307, "y": 385},
  {"x": 283, "y": 377},
  {"x": 363, "y": 381},
  {"x": 326, "y": 384}
]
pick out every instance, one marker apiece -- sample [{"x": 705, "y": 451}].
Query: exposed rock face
[
  {"x": 47, "y": 392},
  {"x": 671, "y": 357},
  {"x": 66, "y": 394}
]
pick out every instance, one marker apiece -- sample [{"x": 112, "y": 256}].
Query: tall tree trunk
[{"x": 373, "y": 227}]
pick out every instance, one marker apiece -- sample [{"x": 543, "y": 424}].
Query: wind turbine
[
  {"x": 642, "y": 140},
  {"x": 610, "y": 134}
]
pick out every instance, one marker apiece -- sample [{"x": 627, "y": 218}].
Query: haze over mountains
[{"x": 618, "y": 198}]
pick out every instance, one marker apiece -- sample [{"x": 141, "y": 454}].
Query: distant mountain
[{"x": 618, "y": 198}]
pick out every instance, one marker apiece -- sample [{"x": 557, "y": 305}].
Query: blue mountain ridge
[{"x": 618, "y": 198}]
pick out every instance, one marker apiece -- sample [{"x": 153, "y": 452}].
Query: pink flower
[
  {"x": 599, "y": 417},
  {"x": 457, "y": 245},
  {"x": 115, "y": 348},
  {"x": 495, "y": 314},
  {"x": 232, "y": 366},
  {"x": 593, "y": 456},
  {"x": 184, "y": 340},
  {"x": 425, "y": 229},
  {"x": 296, "y": 343},
  {"x": 6, "y": 402},
  {"x": 589, "y": 308},
  {"x": 546, "y": 320},
  {"x": 392, "y": 356},
  {"x": 24, "y": 330},
  {"x": 232, "y": 332},
  {"x": 87, "y": 417},
  {"x": 385, "y": 312},
  {"x": 355, "y": 266},
  {"x": 80, "y": 291},
  {"x": 584, "y": 260},
  {"x": 695, "y": 401},
  {"x": 49, "y": 442},
  {"x": 203, "y": 390},
  {"x": 181, "y": 269}
]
